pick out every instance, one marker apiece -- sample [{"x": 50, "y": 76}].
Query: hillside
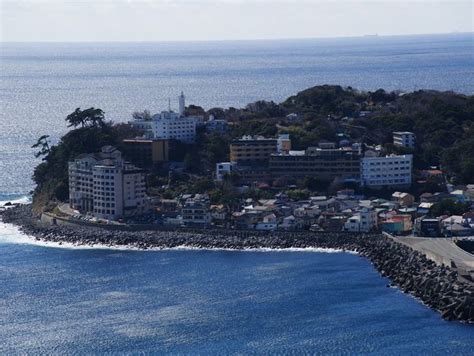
[{"x": 442, "y": 121}]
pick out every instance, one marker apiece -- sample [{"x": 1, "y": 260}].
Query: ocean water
[
  {"x": 90, "y": 301},
  {"x": 59, "y": 299}
]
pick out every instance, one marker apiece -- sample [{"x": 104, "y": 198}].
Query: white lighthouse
[{"x": 181, "y": 104}]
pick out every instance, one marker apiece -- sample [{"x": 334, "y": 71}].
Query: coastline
[{"x": 437, "y": 287}]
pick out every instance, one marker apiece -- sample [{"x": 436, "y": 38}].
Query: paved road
[{"x": 440, "y": 250}]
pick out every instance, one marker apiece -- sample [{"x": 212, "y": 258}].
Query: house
[
  {"x": 195, "y": 211},
  {"x": 168, "y": 205},
  {"x": 218, "y": 212},
  {"x": 453, "y": 219},
  {"x": 307, "y": 211},
  {"x": 403, "y": 199},
  {"x": 397, "y": 224},
  {"x": 289, "y": 223},
  {"x": 243, "y": 220},
  {"x": 324, "y": 203},
  {"x": 428, "y": 227},
  {"x": 424, "y": 208},
  {"x": 268, "y": 223},
  {"x": 363, "y": 221}
]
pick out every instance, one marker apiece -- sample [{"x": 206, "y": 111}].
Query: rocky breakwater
[{"x": 436, "y": 286}]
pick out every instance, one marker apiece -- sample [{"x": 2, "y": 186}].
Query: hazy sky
[{"x": 170, "y": 20}]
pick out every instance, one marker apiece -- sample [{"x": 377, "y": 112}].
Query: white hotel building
[
  {"x": 169, "y": 125},
  {"x": 105, "y": 186},
  {"x": 390, "y": 171}
]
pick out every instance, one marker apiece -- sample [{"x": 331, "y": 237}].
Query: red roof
[{"x": 434, "y": 172}]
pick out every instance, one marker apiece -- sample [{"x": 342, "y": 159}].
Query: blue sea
[{"x": 60, "y": 299}]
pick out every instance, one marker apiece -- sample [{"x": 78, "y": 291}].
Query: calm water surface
[{"x": 209, "y": 302}]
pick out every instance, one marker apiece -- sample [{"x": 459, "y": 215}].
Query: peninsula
[{"x": 330, "y": 167}]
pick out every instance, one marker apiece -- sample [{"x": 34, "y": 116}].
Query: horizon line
[{"x": 367, "y": 36}]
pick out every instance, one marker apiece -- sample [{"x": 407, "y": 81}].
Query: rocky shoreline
[{"x": 436, "y": 286}]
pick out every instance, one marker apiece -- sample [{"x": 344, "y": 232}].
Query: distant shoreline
[{"x": 250, "y": 40}]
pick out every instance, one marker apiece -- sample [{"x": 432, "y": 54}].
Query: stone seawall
[{"x": 436, "y": 286}]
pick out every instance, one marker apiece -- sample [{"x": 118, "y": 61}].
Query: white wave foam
[
  {"x": 11, "y": 234},
  {"x": 15, "y": 199}
]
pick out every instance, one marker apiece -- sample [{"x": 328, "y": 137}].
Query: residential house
[
  {"x": 268, "y": 223},
  {"x": 403, "y": 199},
  {"x": 196, "y": 211},
  {"x": 397, "y": 224},
  {"x": 363, "y": 221}
]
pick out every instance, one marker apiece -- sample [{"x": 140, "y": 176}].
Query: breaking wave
[{"x": 11, "y": 234}]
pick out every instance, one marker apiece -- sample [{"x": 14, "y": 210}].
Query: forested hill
[{"x": 442, "y": 121}]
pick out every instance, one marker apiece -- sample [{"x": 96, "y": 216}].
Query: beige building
[
  {"x": 105, "y": 186},
  {"x": 146, "y": 153},
  {"x": 252, "y": 150}
]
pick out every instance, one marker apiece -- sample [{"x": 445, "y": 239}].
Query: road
[{"x": 442, "y": 251}]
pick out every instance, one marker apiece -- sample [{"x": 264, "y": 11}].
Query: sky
[{"x": 197, "y": 20}]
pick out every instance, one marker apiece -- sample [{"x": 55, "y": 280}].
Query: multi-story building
[
  {"x": 364, "y": 221},
  {"x": 325, "y": 164},
  {"x": 389, "y": 171},
  {"x": 223, "y": 169},
  {"x": 169, "y": 125},
  {"x": 106, "y": 186},
  {"x": 146, "y": 153},
  {"x": 404, "y": 139},
  {"x": 196, "y": 211},
  {"x": 252, "y": 150}
]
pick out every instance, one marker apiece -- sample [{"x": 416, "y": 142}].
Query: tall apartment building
[
  {"x": 105, "y": 186},
  {"x": 325, "y": 164},
  {"x": 390, "y": 171},
  {"x": 169, "y": 125},
  {"x": 404, "y": 139}
]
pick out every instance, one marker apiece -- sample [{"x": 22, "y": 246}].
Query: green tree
[
  {"x": 449, "y": 207},
  {"x": 87, "y": 117},
  {"x": 43, "y": 144}
]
